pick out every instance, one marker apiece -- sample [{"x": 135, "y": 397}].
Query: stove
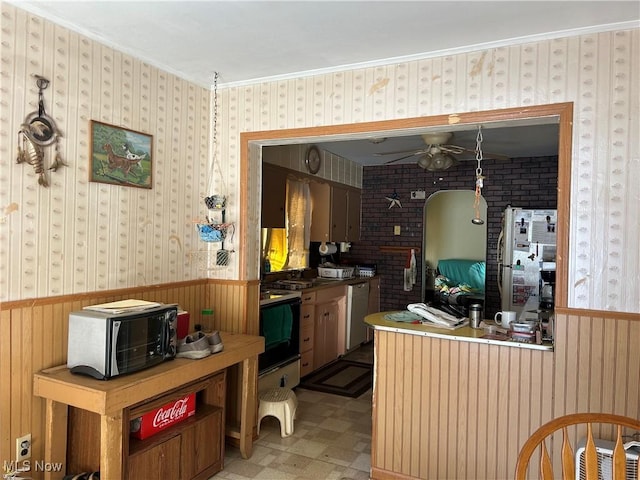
[
  {"x": 288, "y": 285},
  {"x": 272, "y": 296}
]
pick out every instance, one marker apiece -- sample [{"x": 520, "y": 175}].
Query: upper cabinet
[
  {"x": 274, "y": 196},
  {"x": 335, "y": 215}
]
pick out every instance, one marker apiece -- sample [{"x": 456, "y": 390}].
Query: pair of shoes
[
  {"x": 194, "y": 347},
  {"x": 83, "y": 476},
  {"x": 215, "y": 342}
]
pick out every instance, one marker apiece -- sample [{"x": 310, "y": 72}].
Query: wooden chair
[{"x": 590, "y": 456}]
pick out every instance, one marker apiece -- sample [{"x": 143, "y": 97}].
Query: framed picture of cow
[{"x": 120, "y": 156}]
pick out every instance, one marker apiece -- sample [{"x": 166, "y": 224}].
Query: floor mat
[{"x": 344, "y": 377}]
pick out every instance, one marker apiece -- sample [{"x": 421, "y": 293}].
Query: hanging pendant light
[
  {"x": 476, "y": 220},
  {"x": 435, "y": 160}
]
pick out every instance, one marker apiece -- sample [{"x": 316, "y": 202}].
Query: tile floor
[{"x": 331, "y": 440}]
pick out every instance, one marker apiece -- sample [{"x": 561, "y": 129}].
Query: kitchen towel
[{"x": 276, "y": 325}]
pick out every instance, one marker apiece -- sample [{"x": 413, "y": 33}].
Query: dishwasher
[{"x": 357, "y": 309}]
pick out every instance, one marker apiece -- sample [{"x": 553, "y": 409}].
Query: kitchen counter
[
  {"x": 463, "y": 334},
  {"x": 322, "y": 283},
  {"x": 316, "y": 284}
]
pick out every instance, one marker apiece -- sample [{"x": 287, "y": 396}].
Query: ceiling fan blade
[
  {"x": 494, "y": 156},
  {"x": 411, "y": 152},
  {"x": 401, "y": 158}
]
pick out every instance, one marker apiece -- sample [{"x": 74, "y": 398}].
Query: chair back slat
[
  {"x": 619, "y": 458},
  {"x": 546, "y": 470},
  {"x": 568, "y": 463},
  {"x": 590, "y": 456}
]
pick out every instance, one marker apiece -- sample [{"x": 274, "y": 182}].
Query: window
[{"x": 288, "y": 248}]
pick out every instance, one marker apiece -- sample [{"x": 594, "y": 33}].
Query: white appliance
[
  {"x": 357, "y": 308},
  {"x": 604, "y": 450},
  {"x": 526, "y": 245}
]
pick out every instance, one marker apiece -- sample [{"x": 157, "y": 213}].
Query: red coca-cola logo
[{"x": 171, "y": 414}]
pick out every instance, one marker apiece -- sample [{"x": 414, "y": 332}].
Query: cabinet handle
[
  {"x": 306, "y": 364},
  {"x": 306, "y": 339},
  {"x": 307, "y": 316}
]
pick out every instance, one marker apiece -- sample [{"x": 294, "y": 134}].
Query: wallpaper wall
[
  {"x": 599, "y": 73},
  {"x": 81, "y": 236},
  {"x": 78, "y": 236}
]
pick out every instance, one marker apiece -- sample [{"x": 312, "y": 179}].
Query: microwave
[{"x": 105, "y": 345}]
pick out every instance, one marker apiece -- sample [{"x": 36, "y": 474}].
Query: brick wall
[{"x": 523, "y": 182}]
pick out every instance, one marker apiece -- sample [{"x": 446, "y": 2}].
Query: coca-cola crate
[{"x": 157, "y": 420}]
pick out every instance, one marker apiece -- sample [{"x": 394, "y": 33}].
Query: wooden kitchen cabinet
[
  {"x": 307, "y": 322},
  {"x": 307, "y": 327},
  {"x": 325, "y": 334},
  {"x": 274, "y": 196},
  {"x": 161, "y": 461},
  {"x": 336, "y": 213},
  {"x": 374, "y": 295},
  {"x": 354, "y": 215}
]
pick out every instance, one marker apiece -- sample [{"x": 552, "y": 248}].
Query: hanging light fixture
[
  {"x": 435, "y": 160},
  {"x": 476, "y": 220}
]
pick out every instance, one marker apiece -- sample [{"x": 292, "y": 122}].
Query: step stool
[{"x": 280, "y": 403}]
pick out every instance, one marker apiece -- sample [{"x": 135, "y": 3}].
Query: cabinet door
[
  {"x": 325, "y": 348},
  {"x": 374, "y": 295},
  {"x": 331, "y": 333},
  {"x": 274, "y": 197},
  {"x": 202, "y": 446},
  {"x": 161, "y": 461},
  {"x": 339, "y": 205},
  {"x": 353, "y": 216},
  {"x": 319, "y": 337},
  {"x": 320, "y": 212}
]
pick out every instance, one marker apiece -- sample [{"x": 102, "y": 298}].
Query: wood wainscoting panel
[
  {"x": 451, "y": 409},
  {"x": 598, "y": 363},
  {"x": 237, "y": 305}
]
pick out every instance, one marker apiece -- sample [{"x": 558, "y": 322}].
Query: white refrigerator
[{"x": 526, "y": 245}]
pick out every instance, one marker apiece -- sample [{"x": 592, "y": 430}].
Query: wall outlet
[
  {"x": 23, "y": 447},
  {"x": 418, "y": 195},
  {"x": 396, "y": 230}
]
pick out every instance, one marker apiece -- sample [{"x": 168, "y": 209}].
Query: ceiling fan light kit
[{"x": 434, "y": 162}]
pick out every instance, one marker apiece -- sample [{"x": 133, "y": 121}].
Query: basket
[
  {"x": 212, "y": 232},
  {"x": 336, "y": 272}
]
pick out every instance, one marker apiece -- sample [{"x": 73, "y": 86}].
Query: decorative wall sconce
[{"x": 37, "y": 131}]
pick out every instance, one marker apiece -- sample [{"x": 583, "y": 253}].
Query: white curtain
[{"x": 298, "y": 222}]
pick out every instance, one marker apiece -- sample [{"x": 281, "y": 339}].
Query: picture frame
[{"x": 120, "y": 156}]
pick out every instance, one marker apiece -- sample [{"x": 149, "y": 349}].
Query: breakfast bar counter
[
  {"x": 379, "y": 321},
  {"x": 440, "y": 397}
]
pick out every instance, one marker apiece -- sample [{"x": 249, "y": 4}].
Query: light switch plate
[
  {"x": 396, "y": 230},
  {"x": 418, "y": 195}
]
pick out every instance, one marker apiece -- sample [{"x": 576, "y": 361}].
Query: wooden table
[{"x": 110, "y": 398}]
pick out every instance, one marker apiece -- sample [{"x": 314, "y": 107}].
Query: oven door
[{"x": 280, "y": 327}]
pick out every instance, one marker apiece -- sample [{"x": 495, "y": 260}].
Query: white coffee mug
[{"x": 505, "y": 318}]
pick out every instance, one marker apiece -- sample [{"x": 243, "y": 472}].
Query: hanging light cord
[
  {"x": 479, "y": 177},
  {"x": 214, "y": 139}
]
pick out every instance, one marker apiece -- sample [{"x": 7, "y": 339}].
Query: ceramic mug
[{"x": 505, "y": 318}]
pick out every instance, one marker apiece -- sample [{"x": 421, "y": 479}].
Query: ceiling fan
[{"x": 438, "y": 154}]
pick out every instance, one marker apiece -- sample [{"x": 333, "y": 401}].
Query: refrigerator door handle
[{"x": 499, "y": 258}]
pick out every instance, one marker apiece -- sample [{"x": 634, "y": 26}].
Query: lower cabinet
[
  {"x": 192, "y": 449},
  {"x": 161, "y": 461},
  {"x": 307, "y": 320},
  {"x": 325, "y": 334}
]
